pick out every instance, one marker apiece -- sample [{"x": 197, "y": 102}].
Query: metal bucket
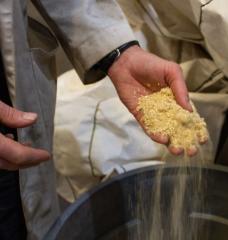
[{"x": 107, "y": 211}]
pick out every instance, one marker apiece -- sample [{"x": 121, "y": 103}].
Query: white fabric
[{"x": 118, "y": 142}]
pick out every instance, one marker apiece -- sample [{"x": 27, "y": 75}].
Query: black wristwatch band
[{"x": 100, "y": 69}]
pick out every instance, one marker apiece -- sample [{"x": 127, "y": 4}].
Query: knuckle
[
  {"x": 5, "y": 110},
  {"x": 11, "y": 113},
  {"x": 7, "y": 113}
]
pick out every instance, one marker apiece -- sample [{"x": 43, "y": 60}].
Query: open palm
[{"x": 137, "y": 73}]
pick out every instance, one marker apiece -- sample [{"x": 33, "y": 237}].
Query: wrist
[
  {"x": 101, "y": 69},
  {"x": 124, "y": 60},
  {"x": 106, "y": 63}
]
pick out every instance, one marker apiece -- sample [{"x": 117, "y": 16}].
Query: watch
[{"x": 100, "y": 69}]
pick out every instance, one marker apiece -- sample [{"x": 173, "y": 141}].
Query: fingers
[
  {"x": 176, "y": 150},
  {"x": 192, "y": 151},
  {"x": 13, "y": 167},
  {"x": 7, "y": 165},
  {"x": 160, "y": 138},
  {"x": 175, "y": 80},
  {"x": 14, "y": 153},
  {"x": 164, "y": 139},
  {"x": 14, "y": 118}
]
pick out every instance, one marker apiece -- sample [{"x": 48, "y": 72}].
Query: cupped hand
[
  {"x": 14, "y": 155},
  {"x": 137, "y": 73}
]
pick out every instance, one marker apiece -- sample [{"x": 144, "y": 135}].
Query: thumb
[
  {"x": 14, "y": 118},
  {"x": 175, "y": 80}
]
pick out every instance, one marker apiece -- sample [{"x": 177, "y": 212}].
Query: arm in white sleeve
[{"x": 87, "y": 29}]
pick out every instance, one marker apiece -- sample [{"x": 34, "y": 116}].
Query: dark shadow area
[{"x": 222, "y": 153}]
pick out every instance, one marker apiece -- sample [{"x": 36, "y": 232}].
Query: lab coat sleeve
[{"x": 86, "y": 29}]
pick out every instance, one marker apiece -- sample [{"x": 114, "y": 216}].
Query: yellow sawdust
[{"x": 161, "y": 114}]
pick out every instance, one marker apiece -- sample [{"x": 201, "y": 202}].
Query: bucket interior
[{"x": 108, "y": 212}]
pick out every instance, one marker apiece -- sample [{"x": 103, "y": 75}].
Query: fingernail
[
  {"x": 190, "y": 107},
  {"x": 187, "y": 98},
  {"x": 29, "y": 116},
  {"x": 188, "y": 103},
  {"x": 48, "y": 157}
]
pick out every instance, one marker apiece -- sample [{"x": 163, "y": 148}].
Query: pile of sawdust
[{"x": 161, "y": 114}]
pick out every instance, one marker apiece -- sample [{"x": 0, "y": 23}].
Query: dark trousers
[{"x": 12, "y": 223}]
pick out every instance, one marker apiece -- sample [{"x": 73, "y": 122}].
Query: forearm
[{"x": 87, "y": 30}]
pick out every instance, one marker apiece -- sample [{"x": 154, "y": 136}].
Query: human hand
[
  {"x": 137, "y": 73},
  {"x": 14, "y": 155}
]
